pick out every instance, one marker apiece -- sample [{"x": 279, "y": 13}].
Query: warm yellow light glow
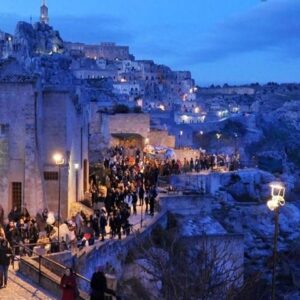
[
  {"x": 58, "y": 158},
  {"x": 146, "y": 141},
  {"x": 277, "y": 189},
  {"x": 275, "y": 202}
]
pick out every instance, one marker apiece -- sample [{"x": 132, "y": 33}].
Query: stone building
[
  {"x": 44, "y": 18},
  {"x": 109, "y": 51},
  {"x": 36, "y": 122}
]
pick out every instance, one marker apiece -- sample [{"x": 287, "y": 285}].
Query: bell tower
[{"x": 44, "y": 19}]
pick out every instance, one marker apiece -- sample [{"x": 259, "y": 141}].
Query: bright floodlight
[
  {"x": 181, "y": 132},
  {"x": 76, "y": 166},
  {"x": 278, "y": 191},
  {"x": 218, "y": 135},
  {"x": 58, "y": 158}
]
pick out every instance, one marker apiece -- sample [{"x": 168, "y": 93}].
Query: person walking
[{"x": 68, "y": 285}]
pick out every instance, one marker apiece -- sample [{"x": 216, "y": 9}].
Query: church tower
[{"x": 44, "y": 19}]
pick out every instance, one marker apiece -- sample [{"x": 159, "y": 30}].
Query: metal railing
[{"x": 53, "y": 262}]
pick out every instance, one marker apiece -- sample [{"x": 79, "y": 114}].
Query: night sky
[{"x": 221, "y": 41}]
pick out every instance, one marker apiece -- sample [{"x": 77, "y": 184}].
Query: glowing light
[
  {"x": 277, "y": 189},
  {"x": 181, "y": 132},
  {"x": 58, "y": 158},
  {"x": 218, "y": 135},
  {"x": 278, "y": 192},
  {"x": 197, "y": 110},
  {"x": 139, "y": 102},
  {"x": 162, "y": 107},
  {"x": 146, "y": 141},
  {"x": 184, "y": 97},
  {"x": 185, "y": 118},
  {"x": 123, "y": 80},
  {"x": 76, "y": 166},
  {"x": 201, "y": 132}
]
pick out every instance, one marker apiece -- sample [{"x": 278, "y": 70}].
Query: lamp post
[
  {"x": 59, "y": 161},
  {"x": 180, "y": 135},
  {"x": 142, "y": 215},
  {"x": 235, "y": 135},
  {"x": 278, "y": 192},
  {"x": 76, "y": 166},
  {"x": 218, "y": 135}
]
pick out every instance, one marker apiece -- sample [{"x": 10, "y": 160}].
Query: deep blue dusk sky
[{"x": 233, "y": 41}]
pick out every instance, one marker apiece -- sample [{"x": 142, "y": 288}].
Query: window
[
  {"x": 51, "y": 175},
  {"x": 3, "y": 129},
  {"x": 17, "y": 194}
]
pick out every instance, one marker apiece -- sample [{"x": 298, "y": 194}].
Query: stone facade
[
  {"x": 161, "y": 138},
  {"x": 36, "y": 123}
]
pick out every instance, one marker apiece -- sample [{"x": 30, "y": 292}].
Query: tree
[{"x": 188, "y": 268}]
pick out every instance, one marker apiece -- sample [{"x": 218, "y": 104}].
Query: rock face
[
  {"x": 38, "y": 39},
  {"x": 256, "y": 223}
]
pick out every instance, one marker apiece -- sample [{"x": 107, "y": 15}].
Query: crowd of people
[
  {"x": 127, "y": 183},
  {"x": 204, "y": 162},
  {"x": 124, "y": 184}
]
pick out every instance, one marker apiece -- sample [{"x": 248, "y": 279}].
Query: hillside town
[{"x": 110, "y": 160}]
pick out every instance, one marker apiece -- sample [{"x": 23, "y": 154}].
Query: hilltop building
[{"x": 44, "y": 18}]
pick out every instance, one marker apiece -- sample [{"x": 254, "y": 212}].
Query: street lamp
[
  {"x": 235, "y": 135},
  {"x": 59, "y": 161},
  {"x": 180, "y": 135},
  {"x": 278, "y": 192},
  {"x": 76, "y": 166},
  {"x": 218, "y": 135}
]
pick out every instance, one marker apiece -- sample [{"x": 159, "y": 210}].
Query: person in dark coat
[
  {"x": 98, "y": 285},
  {"x": 5, "y": 259},
  {"x": 68, "y": 285},
  {"x": 14, "y": 214}
]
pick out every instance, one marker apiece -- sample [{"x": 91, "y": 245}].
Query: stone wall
[
  {"x": 175, "y": 203},
  {"x": 161, "y": 138},
  {"x": 130, "y": 123},
  {"x": 113, "y": 252},
  {"x": 243, "y": 185},
  {"x": 18, "y": 114},
  {"x": 64, "y": 131}
]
